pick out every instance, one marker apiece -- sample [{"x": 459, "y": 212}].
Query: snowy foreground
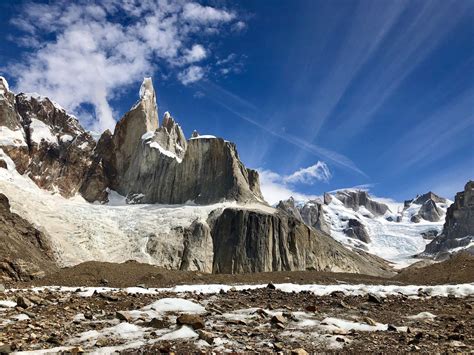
[{"x": 231, "y": 318}]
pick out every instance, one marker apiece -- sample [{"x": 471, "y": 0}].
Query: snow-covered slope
[
  {"x": 396, "y": 241},
  {"x": 379, "y": 226},
  {"x": 81, "y": 231}
]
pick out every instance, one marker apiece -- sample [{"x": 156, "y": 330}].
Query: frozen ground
[{"x": 241, "y": 318}]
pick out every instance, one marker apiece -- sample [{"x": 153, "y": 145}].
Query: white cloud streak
[
  {"x": 274, "y": 189},
  {"x": 309, "y": 175},
  {"x": 229, "y": 100},
  {"x": 90, "y": 55}
]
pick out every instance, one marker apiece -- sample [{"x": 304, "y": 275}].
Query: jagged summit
[{"x": 142, "y": 160}]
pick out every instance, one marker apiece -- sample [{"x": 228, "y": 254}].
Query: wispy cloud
[
  {"x": 421, "y": 30},
  {"x": 235, "y": 104},
  {"x": 437, "y": 135},
  {"x": 88, "y": 51},
  {"x": 275, "y": 187},
  {"x": 309, "y": 175}
]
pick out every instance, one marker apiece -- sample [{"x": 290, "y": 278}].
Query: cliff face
[
  {"x": 458, "y": 230},
  {"x": 254, "y": 241},
  {"x": 25, "y": 252}
]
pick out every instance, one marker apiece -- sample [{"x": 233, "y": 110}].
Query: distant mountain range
[{"x": 147, "y": 193}]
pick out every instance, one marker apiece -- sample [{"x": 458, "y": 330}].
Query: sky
[{"x": 317, "y": 95}]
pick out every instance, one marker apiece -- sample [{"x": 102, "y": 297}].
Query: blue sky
[{"x": 318, "y": 95}]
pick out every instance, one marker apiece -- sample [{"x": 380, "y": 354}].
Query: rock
[
  {"x": 391, "y": 328},
  {"x": 327, "y": 198},
  {"x": 5, "y": 349},
  {"x": 356, "y": 230},
  {"x": 23, "y": 302},
  {"x": 415, "y": 218},
  {"x": 241, "y": 244},
  {"x": 271, "y": 286},
  {"x": 420, "y": 200},
  {"x": 206, "y": 336},
  {"x": 430, "y": 212},
  {"x": 157, "y": 323},
  {"x": 374, "y": 298},
  {"x": 337, "y": 294},
  {"x": 123, "y": 316},
  {"x": 193, "y": 320},
  {"x": 2, "y": 288},
  {"x": 311, "y": 308},
  {"x": 429, "y": 234},
  {"x": 278, "y": 318},
  {"x": 370, "y": 321},
  {"x": 355, "y": 199},
  {"x": 299, "y": 351},
  {"x": 289, "y": 207},
  {"x": 201, "y": 170},
  {"x": 25, "y": 252},
  {"x": 279, "y": 346},
  {"x": 458, "y": 230}
]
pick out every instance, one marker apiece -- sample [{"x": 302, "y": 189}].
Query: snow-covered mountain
[
  {"x": 147, "y": 193},
  {"x": 391, "y": 230}
]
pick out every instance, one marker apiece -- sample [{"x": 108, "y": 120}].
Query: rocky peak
[
  {"x": 354, "y": 199},
  {"x": 310, "y": 212},
  {"x": 148, "y": 105},
  {"x": 289, "y": 206},
  {"x": 421, "y": 199},
  {"x": 9, "y": 117},
  {"x": 458, "y": 230},
  {"x": 430, "y": 212}
]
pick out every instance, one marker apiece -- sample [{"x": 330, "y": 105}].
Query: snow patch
[
  {"x": 33, "y": 95},
  {"x": 422, "y": 316},
  {"x": 175, "y": 305},
  {"x": 204, "y": 136},
  {"x": 163, "y": 151},
  {"x": 184, "y": 332},
  {"x": 66, "y": 138},
  {"x": 41, "y": 131},
  {"x": 7, "y": 304},
  {"x": 9, "y": 137}
]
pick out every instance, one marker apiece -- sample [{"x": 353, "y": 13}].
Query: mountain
[
  {"x": 390, "y": 230},
  {"x": 458, "y": 230},
  {"x": 145, "y": 192}
]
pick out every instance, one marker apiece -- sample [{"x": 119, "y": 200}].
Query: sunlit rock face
[{"x": 458, "y": 230}]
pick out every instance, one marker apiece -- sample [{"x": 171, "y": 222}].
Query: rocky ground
[
  {"x": 258, "y": 320},
  {"x": 325, "y": 312}
]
